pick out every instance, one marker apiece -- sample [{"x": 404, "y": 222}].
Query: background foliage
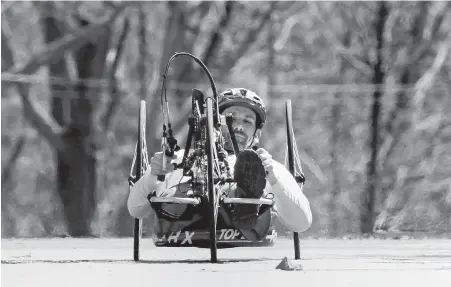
[{"x": 321, "y": 55}]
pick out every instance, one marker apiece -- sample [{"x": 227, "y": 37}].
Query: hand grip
[
  {"x": 162, "y": 176},
  {"x": 163, "y": 161}
]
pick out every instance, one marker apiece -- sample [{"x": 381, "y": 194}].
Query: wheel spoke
[
  {"x": 296, "y": 156},
  {"x": 133, "y": 167},
  {"x": 286, "y": 157}
]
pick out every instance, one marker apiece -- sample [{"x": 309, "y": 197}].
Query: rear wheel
[
  {"x": 291, "y": 164},
  {"x": 141, "y": 162},
  {"x": 212, "y": 204}
]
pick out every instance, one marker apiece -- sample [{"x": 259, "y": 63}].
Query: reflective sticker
[
  {"x": 229, "y": 234},
  {"x": 221, "y": 236},
  {"x": 174, "y": 237},
  {"x": 188, "y": 236}
]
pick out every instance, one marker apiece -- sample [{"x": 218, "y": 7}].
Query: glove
[{"x": 156, "y": 164}]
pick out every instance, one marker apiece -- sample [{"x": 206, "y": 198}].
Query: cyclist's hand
[
  {"x": 268, "y": 163},
  {"x": 156, "y": 164},
  {"x": 266, "y": 159}
]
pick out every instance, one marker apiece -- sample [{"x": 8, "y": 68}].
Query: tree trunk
[
  {"x": 368, "y": 200},
  {"x": 76, "y": 182},
  {"x": 74, "y": 170},
  {"x": 399, "y": 122},
  {"x": 71, "y": 135},
  {"x": 76, "y": 162}
]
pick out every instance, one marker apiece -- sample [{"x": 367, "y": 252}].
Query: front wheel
[{"x": 212, "y": 204}]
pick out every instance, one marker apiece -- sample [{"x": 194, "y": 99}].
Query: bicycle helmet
[{"x": 246, "y": 98}]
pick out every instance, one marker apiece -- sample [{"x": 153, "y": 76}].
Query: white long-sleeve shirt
[{"x": 293, "y": 208}]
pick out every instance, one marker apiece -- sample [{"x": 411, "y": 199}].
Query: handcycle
[{"x": 204, "y": 162}]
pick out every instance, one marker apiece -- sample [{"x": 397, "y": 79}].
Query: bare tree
[
  {"x": 8, "y": 167},
  {"x": 368, "y": 197},
  {"x": 75, "y": 141},
  {"x": 422, "y": 38}
]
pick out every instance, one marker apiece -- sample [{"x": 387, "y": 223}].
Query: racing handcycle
[{"x": 205, "y": 163}]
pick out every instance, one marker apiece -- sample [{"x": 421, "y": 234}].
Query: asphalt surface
[{"x": 108, "y": 262}]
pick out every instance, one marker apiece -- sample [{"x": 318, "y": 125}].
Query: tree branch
[
  {"x": 59, "y": 47},
  {"x": 359, "y": 65},
  {"x": 284, "y": 35},
  {"x": 416, "y": 52},
  {"x": 98, "y": 66},
  {"x": 114, "y": 91},
  {"x": 218, "y": 31},
  {"x": 65, "y": 25},
  {"x": 7, "y": 60},
  {"x": 347, "y": 53},
  {"x": 426, "y": 80},
  {"x": 7, "y": 55},
  {"x": 250, "y": 39},
  {"x": 403, "y": 101},
  {"x": 6, "y": 5},
  {"x": 203, "y": 8},
  {"x": 38, "y": 118},
  {"x": 8, "y": 167},
  {"x": 425, "y": 38}
]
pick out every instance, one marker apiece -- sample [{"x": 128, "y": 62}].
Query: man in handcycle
[{"x": 256, "y": 175}]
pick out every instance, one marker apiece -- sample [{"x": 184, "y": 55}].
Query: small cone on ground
[{"x": 288, "y": 265}]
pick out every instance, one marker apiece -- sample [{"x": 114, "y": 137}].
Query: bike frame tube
[
  {"x": 139, "y": 171},
  {"x": 210, "y": 182},
  {"x": 290, "y": 143}
]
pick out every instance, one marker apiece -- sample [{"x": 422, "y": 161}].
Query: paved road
[{"x": 107, "y": 262}]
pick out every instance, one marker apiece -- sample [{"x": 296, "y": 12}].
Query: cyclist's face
[{"x": 244, "y": 126}]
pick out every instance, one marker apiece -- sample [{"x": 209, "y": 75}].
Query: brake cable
[{"x": 168, "y": 142}]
